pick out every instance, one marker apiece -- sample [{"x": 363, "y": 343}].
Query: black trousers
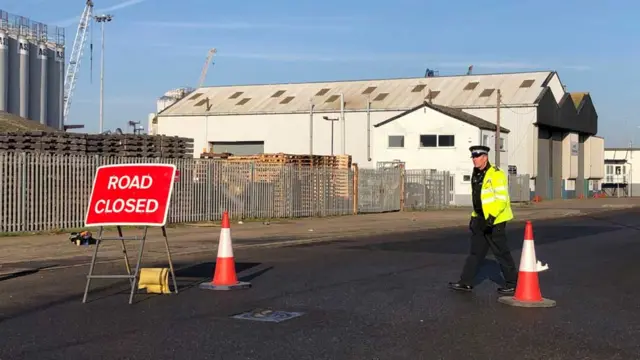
[{"x": 481, "y": 240}]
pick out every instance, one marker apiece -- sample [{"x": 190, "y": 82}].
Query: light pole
[
  {"x": 333, "y": 120},
  {"x": 102, "y": 19}
]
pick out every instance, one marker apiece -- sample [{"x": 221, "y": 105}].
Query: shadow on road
[
  {"x": 188, "y": 275},
  {"x": 456, "y": 241}
]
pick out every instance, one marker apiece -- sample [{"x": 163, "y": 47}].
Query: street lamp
[
  {"x": 333, "y": 120},
  {"x": 102, "y": 19}
]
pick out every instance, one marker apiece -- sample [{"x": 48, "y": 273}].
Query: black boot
[
  {"x": 507, "y": 290},
  {"x": 458, "y": 286}
]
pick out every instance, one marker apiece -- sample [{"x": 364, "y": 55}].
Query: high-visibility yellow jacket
[{"x": 495, "y": 196}]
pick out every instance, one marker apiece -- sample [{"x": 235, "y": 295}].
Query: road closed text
[{"x": 130, "y": 205}]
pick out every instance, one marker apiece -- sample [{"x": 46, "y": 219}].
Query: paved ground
[
  {"x": 372, "y": 297},
  {"x": 29, "y": 253}
]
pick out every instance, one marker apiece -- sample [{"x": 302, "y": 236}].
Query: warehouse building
[{"x": 426, "y": 122}]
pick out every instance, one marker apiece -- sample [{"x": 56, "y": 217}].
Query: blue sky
[{"x": 156, "y": 45}]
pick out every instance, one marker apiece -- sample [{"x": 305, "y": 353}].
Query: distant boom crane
[
  {"x": 76, "y": 56},
  {"x": 205, "y": 68}
]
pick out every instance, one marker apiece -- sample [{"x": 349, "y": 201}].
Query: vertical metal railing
[{"x": 45, "y": 192}]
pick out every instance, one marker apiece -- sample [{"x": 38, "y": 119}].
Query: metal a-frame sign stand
[
  {"x": 164, "y": 173},
  {"x": 135, "y": 277}
]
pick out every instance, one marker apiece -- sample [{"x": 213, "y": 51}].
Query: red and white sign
[{"x": 131, "y": 194}]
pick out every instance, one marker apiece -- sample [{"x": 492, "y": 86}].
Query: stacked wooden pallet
[
  {"x": 337, "y": 161},
  {"x": 127, "y": 145},
  {"x": 301, "y": 182}
]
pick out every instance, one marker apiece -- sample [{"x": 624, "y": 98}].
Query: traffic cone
[
  {"x": 528, "y": 288},
  {"x": 225, "y": 277}
]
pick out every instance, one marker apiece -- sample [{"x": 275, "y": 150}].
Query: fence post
[
  {"x": 402, "y": 187},
  {"x": 355, "y": 188},
  {"x": 23, "y": 194}
]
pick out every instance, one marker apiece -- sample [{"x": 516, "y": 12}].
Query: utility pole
[
  {"x": 102, "y": 19},
  {"x": 497, "y": 145}
]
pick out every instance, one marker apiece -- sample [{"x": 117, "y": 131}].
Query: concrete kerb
[{"x": 345, "y": 236}]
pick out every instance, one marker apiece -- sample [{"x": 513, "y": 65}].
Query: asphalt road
[{"x": 379, "y": 297}]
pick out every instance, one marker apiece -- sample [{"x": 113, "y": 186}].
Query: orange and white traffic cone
[
  {"x": 528, "y": 287},
  {"x": 225, "y": 277}
]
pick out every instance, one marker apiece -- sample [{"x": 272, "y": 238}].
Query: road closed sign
[{"x": 131, "y": 194}]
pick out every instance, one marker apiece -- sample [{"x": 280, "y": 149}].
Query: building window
[
  {"x": 485, "y": 140},
  {"x": 527, "y": 83},
  {"x": 446, "y": 140},
  {"x": 419, "y": 88},
  {"x": 369, "y": 90},
  {"x": 471, "y": 86},
  {"x": 332, "y": 98},
  {"x": 486, "y": 92},
  {"x": 432, "y": 95},
  {"x": 428, "y": 140},
  {"x": 322, "y": 92},
  {"x": 381, "y": 97},
  {"x": 236, "y": 95},
  {"x": 287, "y": 100},
  {"x": 243, "y": 101},
  {"x": 396, "y": 141}
]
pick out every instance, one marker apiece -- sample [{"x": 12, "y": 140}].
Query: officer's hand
[{"x": 490, "y": 220}]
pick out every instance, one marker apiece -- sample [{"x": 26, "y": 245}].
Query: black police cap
[{"x": 477, "y": 150}]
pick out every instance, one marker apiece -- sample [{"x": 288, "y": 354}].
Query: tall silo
[
  {"x": 55, "y": 84},
  {"x": 14, "y": 76},
  {"x": 23, "y": 79},
  {"x": 60, "y": 89},
  {"x": 4, "y": 71},
  {"x": 38, "y": 85}
]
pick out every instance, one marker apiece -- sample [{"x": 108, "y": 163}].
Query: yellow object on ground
[{"x": 154, "y": 280}]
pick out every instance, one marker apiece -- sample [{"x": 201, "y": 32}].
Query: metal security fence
[
  {"x": 519, "y": 188},
  {"x": 428, "y": 189},
  {"x": 44, "y": 192},
  {"x": 379, "y": 190}
]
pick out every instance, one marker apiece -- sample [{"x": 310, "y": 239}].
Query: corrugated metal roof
[
  {"x": 452, "y": 112},
  {"x": 385, "y": 94}
]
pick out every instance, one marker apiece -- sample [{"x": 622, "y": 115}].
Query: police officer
[{"x": 491, "y": 211}]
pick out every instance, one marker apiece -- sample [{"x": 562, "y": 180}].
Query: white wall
[
  {"x": 288, "y": 133},
  {"x": 556, "y": 88},
  {"x": 429, "y": 122},
  {"x": 596, "y": 149},
  {"x": 570, "y": 152},
  {"x": 488, "y": 138},
  {"x": 522, "y": 138}
]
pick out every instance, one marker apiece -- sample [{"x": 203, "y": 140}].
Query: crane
[
  {"x": 76, "y": 55},
  {"x": 203, "y": 75}
]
